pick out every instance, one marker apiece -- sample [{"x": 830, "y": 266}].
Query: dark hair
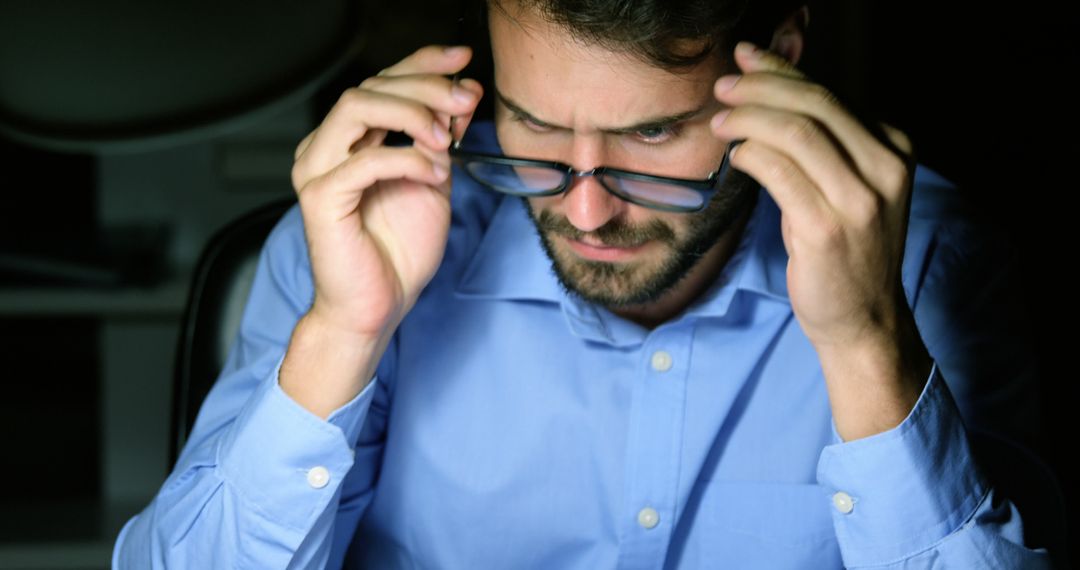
[{"x": 670, "y": 34}]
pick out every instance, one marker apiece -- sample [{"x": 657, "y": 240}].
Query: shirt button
[
  {"x": 648, "y": 517},
  {"x": 843, "y": 503},
  {"x": 318, "y": 477},
  {"x": 661, "y": 361}
]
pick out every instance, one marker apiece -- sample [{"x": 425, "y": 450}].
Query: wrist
[
  {"x": 326, "y": 366},
  {"x": 875, "y": 383}
]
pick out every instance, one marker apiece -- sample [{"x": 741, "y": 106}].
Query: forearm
[{"x": 324, "y": 368}]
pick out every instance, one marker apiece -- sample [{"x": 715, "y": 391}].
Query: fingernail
[
  {"x": 455, "y": 51},
  {"x": 718, "y": 119},
  {"x": 748, "y": 49},
  {"x": 440, "y": 133},
  {"x": 462, "y": 95},
  {"x": 726, "y": 82}
]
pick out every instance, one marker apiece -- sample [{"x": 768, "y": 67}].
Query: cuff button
[{"x": 843, "y": 502}]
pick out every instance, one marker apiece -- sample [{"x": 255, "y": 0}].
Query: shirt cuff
[
  {"x": 284, "y": 461},
  {"x": 900, "y": 491}
]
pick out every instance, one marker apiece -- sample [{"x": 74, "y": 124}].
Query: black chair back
[{"x": 219, "y": 291}]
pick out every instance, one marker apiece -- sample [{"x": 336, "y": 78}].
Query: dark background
[{"x": 984, "y": 93}]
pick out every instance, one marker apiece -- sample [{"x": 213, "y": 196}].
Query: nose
[{"x": 586, "y": 203}]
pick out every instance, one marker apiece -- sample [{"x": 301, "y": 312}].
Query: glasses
[{"x": 531, "y": 177}]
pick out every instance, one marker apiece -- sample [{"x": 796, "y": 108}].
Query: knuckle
[
  {"x": 307, "y": 191},
  {"x": 783, "y": 172},
  {"x": 894, "y": 170},
  {"x": 823, "y": 95},
  {"x": 373, "y": 82},
  {"x": 359, "y": 162},
  {"x": 302, "y": 145},
  {"x": 298, "y": 177},
  {"x": 801, "y": 130},
  {"x": 349, "y": 99},
  {"x": 828, "y": 232},
  {"x": 866, "y": 209}
]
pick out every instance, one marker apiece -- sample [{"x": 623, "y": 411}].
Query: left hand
[{"x": 844, "y": 197}]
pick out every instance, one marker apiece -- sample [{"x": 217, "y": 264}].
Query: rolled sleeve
[
  {"x": 901, "y": 491},
  {"x": 286, "y": 462}
]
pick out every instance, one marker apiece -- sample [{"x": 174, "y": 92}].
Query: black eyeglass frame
[{"x": 705, "y": 188}]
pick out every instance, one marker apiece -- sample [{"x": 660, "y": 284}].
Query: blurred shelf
[
  {"x": 57, "y": 555},
  {"x": 74, "y": 534},
  {"x": 164, "y": 300}
]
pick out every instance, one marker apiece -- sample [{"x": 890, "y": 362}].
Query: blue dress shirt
[{"x": 512, "y": 425}]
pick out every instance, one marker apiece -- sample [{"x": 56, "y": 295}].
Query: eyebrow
[{"x": 648, "y": 124}]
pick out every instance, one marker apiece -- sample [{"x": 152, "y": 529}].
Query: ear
[{"x": 790, "y": 36}]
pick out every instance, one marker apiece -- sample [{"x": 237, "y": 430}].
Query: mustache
[{"x": 613, "y": 233}]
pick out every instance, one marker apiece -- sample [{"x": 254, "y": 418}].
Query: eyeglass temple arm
[{"x": 455, "y": 142}]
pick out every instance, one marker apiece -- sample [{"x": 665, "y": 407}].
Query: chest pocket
[{"x": 769, "y": 513}]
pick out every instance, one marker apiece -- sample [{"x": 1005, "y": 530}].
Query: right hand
[{"x": 376, "y": 218}]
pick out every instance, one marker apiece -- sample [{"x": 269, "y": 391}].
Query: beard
[{"x": 645, "y": 280}]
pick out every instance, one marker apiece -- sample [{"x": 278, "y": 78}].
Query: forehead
[{"x": 564, "y": 80}]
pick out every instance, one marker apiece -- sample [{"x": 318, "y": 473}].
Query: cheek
[{"x": 540, "y": 204}]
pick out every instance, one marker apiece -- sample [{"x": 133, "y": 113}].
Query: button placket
[{"x": 656, "y": 433}]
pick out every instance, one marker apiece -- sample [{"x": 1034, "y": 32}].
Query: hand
[
  {"x": 376, "y": 218},
  {"x": 844, "y": 197}
]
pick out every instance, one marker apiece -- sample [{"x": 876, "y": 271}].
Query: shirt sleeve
[
  {"x": 258, "y": 483},
  {"x": 947, "y": 486},
  {"x": 912, "y": 497}
]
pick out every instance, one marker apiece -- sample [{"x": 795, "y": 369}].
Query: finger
[
  {"x": 750, "y": 57},
  {"x": 440, "y": 158},
  {"x": 899, "y": 139},
  {"x": 463, "y": 120},
  {"x": 303, "y": 145},
  {"x": 867, "y": 153},
  {"x": 357, "y": 112},
  {"x": 800, "y": 200},
  {"x": 804, "y": 141},
  {"x": 374, "y": 137},
  {"x": 435, "y": 91},
  {"x": 461, "y": 124},
  {"x": 339, "y": 190},
  {"x": 442, "y": 95},
  {"x": 443, "y": 60}
]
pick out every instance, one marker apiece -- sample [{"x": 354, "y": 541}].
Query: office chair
[{"x": 219, "y": 290}]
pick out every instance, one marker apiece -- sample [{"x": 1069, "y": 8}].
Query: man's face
[{"x": 558, "y": 99}]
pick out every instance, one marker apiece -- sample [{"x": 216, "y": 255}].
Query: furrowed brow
[{"x": 648, "y": 124}]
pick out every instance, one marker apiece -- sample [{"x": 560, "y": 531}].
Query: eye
[
  {"x": 658, "y": 135},
  {"x": 529, "y": 124}
]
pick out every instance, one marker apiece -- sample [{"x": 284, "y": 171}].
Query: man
[{"x": 420, "y": 382}]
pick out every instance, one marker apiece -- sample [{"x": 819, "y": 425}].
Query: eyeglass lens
[{"x": 538, "y": 180}]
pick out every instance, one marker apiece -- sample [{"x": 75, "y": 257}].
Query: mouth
[{"x": 604, "y": 253}]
